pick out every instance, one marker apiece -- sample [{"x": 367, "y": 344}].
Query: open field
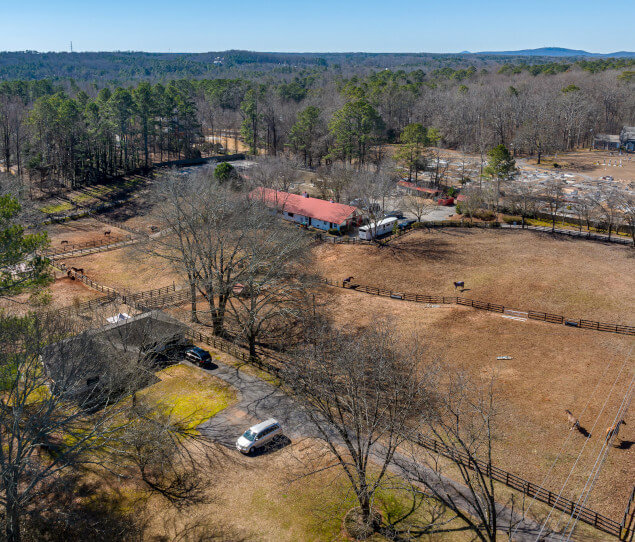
[
  {"x": 127, "y": 268},
  {"x": 553, "y": 368},
  {"x": 517, "y": 269},
  {"x": 586, "y": 163},
  {"x": 85, "y": 230}
]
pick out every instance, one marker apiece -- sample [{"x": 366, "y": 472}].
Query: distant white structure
[
  {"x": 372, "y": 230},
  {"x": 119, "y": 318}
]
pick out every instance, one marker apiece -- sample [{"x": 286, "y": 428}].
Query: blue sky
[{"x": 324, "y": 25}]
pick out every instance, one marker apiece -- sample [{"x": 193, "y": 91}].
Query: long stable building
[{"x": 315, "y": 212}]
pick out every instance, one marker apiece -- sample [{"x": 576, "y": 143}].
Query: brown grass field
[
  {"x": 525, "y": 270},
  {"x": 81, "y": 231},
  {"x": 553, "y": 368},
  {"x": 127, "y": 268}
]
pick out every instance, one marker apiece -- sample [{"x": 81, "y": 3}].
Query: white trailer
[{"x": 372, "y": 230}]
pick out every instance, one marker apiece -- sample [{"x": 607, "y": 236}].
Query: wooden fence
[
  {"x": 272, "y": 363},
  {"x": 85, "y": 305},
  {"x": 70, "y": 248},
  {"x": 586, "y": 515},
  {"x": 487, "y": 306}
]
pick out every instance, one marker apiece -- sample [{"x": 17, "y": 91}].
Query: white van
[
  {"x": 382, "y": 227},
  {"x": 258, "y": 435}
]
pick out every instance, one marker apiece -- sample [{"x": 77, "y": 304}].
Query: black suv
[{"x": 199, "y": 356}]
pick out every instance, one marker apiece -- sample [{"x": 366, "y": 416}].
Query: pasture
[
  {"x": 552, "y": 368},
  {"x": 524, "y": 270}
]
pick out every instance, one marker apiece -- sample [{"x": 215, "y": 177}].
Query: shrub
[
  {"x": 334, "y": 231},
  {"x": 459, "y": 209},
  {"x": 224, "y": 171},
  {"x": 511, "y": 219},
  {"x": 484, "y": 214},
  {"x": 556, "y": 165}
]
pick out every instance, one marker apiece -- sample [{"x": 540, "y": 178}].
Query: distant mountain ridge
[{"x": 557, "y": 52}]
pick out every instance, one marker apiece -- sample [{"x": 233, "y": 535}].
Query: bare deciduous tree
[
  {"x": 360, "y": 393},
  {"x": 55, "y": 416},
  {"x": 465, "y": 418},
  {"x": 273, "y": 295},
  {"x": 417, "y": 205},
  {"x": 553, "y": 196}
]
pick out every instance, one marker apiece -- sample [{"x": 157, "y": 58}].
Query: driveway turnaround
[{"x": 258, "y": 400}]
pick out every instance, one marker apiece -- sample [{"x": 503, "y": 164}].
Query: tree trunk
[
  {"x": 12, "y": 509},
  {"x": 194, "y": 317},
  {"x": 252, "y": 346}
]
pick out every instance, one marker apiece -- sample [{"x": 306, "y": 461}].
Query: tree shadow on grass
[
  {"x": 417, "y": 249},
  {"x": 72, "y": 508}
]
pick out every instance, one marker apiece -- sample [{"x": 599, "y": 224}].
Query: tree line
[{"x": 73, "y": 133}]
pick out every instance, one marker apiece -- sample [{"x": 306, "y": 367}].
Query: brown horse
[
  {"x": 614, "y": 430},
  {"x": 573, "y": 421}
]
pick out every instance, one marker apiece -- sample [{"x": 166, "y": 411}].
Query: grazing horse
[
  {"x": 573, "y": 421},
  {"x": 347, "y": 280},
  {"x": 460, "y": 284},
  {"x": 107, "y": 232},
  {"x": 64, "y": 242},
  {"x": 614, "y": 430}
]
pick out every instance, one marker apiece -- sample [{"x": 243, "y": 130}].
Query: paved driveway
[{"x": 259, "y": 400}]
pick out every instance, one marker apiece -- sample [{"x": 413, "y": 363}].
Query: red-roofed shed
[{"x": 418, "y": 190}]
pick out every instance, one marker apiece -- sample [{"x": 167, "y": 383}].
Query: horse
[
  {"x": 573, "y": 421},
  {"x": 460, "y": 284},
  {"x": 64, "y": 242},
  {"x": 107, "y": 232},
  {"x": 614, "y": 430}
]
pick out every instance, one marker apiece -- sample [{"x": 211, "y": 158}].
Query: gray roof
[
  {"x": 607, "y": 138},
  {"x": 114, "y": 355},
  {"x": 628, "y": 133}
]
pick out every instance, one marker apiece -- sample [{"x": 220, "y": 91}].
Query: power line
[
  {"x": 553, "y": 464},
  {"x": 601, "y": 458},
  {"x": 544, "y": 524}
]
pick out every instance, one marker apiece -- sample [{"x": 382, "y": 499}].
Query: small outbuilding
[
  {"x": 606, "y": 142},
  {"x": 627, "y": 138}
]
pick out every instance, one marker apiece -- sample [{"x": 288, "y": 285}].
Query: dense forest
[{"x": 64, "y": 131}]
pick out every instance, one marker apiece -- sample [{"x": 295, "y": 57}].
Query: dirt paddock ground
[
  {"x": 553, "y": 368},
  {"x": 63, "y": 292},
  {"x": 84, "y": 230},
  {"x": 525, "y": 270}
]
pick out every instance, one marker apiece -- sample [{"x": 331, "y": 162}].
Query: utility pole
[{"x": 71, "y": 46}]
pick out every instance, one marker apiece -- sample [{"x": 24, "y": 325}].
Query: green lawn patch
[
  {"x": 56, "y": 208},
  {"x": 189, "y": 395}
]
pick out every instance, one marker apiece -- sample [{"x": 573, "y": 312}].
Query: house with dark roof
[
  {"x": 627, "y": 138},
  {"x": 315, "y": 212},
  {"x": 606, "y": 142},
  {"x": 95, "y": 363}
]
